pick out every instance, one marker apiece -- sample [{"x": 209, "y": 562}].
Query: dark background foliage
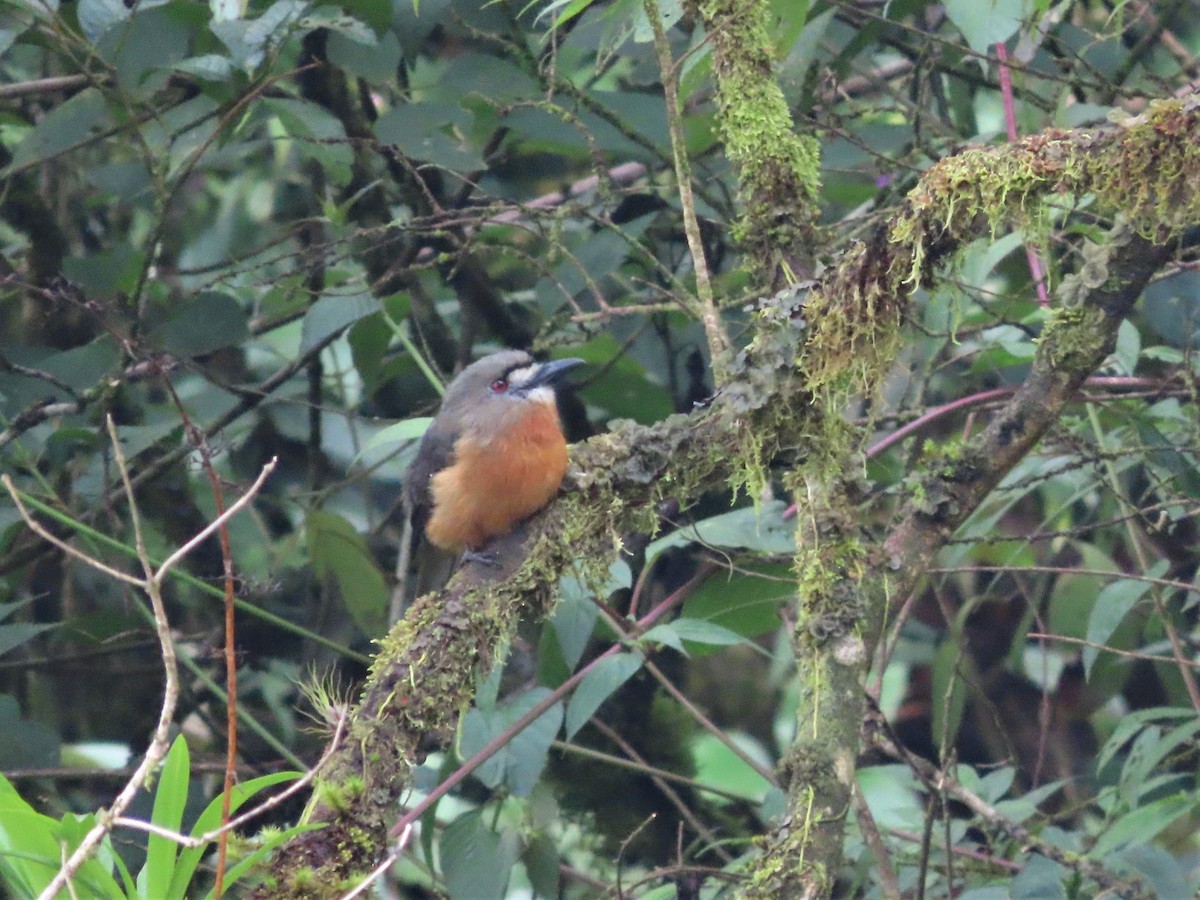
[{"x": 265, "y": 230}]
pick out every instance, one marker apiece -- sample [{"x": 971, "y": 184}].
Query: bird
[{"x": 493, "y": 455}]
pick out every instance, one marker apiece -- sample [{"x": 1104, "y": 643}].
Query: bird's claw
[{"x": 482, "y": 557}]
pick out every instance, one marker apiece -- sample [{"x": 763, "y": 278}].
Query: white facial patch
[{"x": 518, "y": 378}]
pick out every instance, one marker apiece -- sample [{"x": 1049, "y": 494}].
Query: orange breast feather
[{"x": 491, "y": 487}]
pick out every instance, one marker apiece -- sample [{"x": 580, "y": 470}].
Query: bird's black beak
[{"x": 550, "y": 372}]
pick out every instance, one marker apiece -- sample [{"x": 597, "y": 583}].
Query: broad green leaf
[
  {"x": 518, "y": 764},
  {"x": 695, "y": 631},
  {"x": 763, "y": 530},
  {"x": 1143, "y": 824},
  {"x": 1165, "y": 873},
  {"x": 986, "y": 22},
  {"x": 891, "y": 795},
  {"x": 377, "y": 63},
  {"x": 719, "y": 766},
  {"x": 29, "y": 850},
  {"x": 97, "y": 16},
  {"x": 597, "y": 686},
  {"x": 15, "y": 634},
  {"x": 207, "y": 322},
  {"x": 210, "y": 820},
  {"x": 66, "y": 125},
  {"x": 1113, "y": 603},
  {"x": 746, "y": 601},
  {"x": 319, "y": 136},
  {"x": 1039, "y": 879},
  {"x": 25, "y": 742},
  {"x": 1129, "y": 347},
  {"x": 154, "y": 880},
  {"x": 404, "y": 430},
  {"x": 475, "y": 861},
  {"x": 1132, "y": 724},
  {"x": 541, "y": 859},
  {"x": 341, "y": 558},
  {"x": 949, "y": 695},
  {"x": 574, "y": 619},
  {"x": 331, "y": 314},
  {"x": 430, "y": 132}
]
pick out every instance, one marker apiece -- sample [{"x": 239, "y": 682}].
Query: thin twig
[
  {"x": 152, "y": 586},
  {"x": 267, "y": 805},
  {"x": 718, "y": 341},
  {"x": 216, "y": 523}
]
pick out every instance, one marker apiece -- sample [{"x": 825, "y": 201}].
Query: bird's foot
[{"x": 481, "y": 557}]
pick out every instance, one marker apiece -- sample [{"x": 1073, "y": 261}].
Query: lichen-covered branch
[
  {"x": 778, "y": 170},
  {"x": 424, "y": 674},
  {"x": 846, "y": 582}
]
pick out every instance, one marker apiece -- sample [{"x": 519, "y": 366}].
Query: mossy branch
[
  {"x": 424, "y": 675},
  {"x": 778, "y": 170}
]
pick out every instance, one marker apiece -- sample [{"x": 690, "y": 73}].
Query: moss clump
[
  {"x": 1152, "y": 174},
  {"x": 779, "y": 181},
  {"x": 1073, "y": 338}
]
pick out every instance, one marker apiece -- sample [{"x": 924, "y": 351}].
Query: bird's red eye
[{"x": 499, "y": 386}]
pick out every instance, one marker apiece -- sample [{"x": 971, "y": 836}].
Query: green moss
[
  {"x": 1073, "y": 337},
  {"x": 304, "y": 878},
  {"x": 779, "y": 181}
]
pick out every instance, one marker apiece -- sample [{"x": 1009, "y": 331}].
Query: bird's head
[{"x": 495, "y": 391}]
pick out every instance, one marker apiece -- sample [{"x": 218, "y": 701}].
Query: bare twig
[
  {"x": 151, "y": 585},
  {"x": 718, "y": 341},
  {"x": 270, "y": 803}
]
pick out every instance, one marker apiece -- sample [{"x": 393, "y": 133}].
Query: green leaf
[
  {"x": 597, "y": 686},
  {"x": 695, "y": 631},
  {"x": 329, "y": 315},
  {"x": 575, "y": 615},
  {"x": 1143, "y": 824},
  {"x": 210, "y": 321},
  {"x": 341, "y": 559},
  {"x": 29, "y": 850},
  {"x": 430, "y": 132},
  {"x": 65, "y": 126},
  {"x": 985, "y": 23},
  {"x": 398, "y": 433},
  {"x": 15, "y": 634},
  {"x": 25, "y": 742},
  {"x": 949, "y": 696},
  {"x": 719, "y": 766},
  {"x": 541, "y": 861},
  {"x": 891, "y": 795},
  {"x": 249, "y": 40},
  {"x": 1129, "y": 347},
  {"x": 1113, "y": 603},
  {"x": 746, "y": 601},
  {"x": 210, "y": 820},
  {"x": 1039, "y": 879},
  {"x": 97, "y": 16},
  {"x": 318, "y": 134},
  {"x": 475, "y": 862},
  {"x": 518, "y": 764},
  {"x": 763, "y": 530},
  {"x": 376, "y": 64},
  {"x": 154, "y": 880}
]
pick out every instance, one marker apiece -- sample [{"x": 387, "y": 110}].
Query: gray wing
[{"x": 435, "y": 453}]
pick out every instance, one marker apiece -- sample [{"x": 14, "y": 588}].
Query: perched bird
[{"x": 494, "y": 454}]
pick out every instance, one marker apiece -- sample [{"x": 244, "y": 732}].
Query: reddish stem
[{"x": 1010, "y": 124}]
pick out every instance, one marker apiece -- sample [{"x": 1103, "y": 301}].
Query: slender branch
[
  {"x": 151, "y": 584},
  {"x": 185, "y": 840},
  {"x": 718, "y": 341},
  {"x": 203, "y": 535}
]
